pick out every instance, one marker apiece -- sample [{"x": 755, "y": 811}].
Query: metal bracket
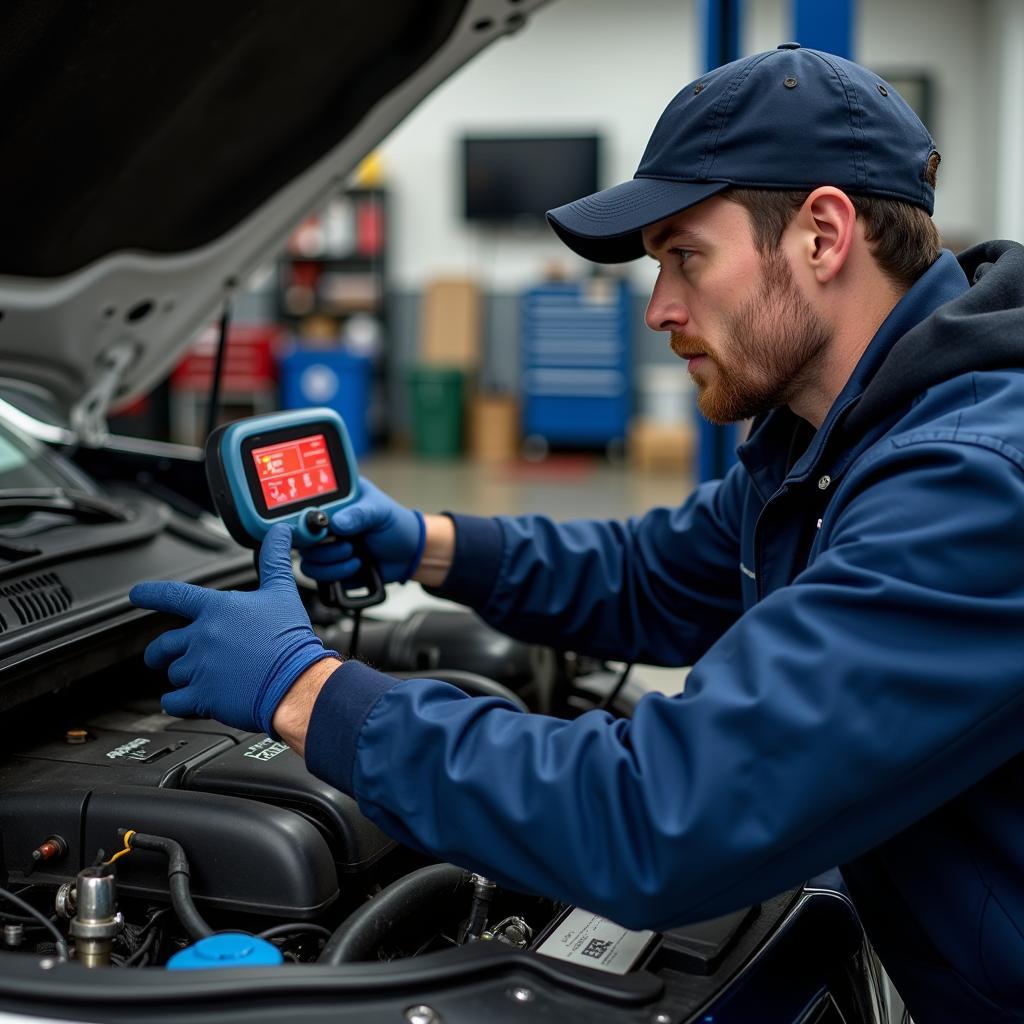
[{"x": 89, "y": 414}]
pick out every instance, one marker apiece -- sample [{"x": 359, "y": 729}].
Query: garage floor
[{"x": 563, "y": 487}]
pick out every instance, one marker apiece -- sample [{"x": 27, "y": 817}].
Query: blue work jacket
[{"x": 852, "y": 603}]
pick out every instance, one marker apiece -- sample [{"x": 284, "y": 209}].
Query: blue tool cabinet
[{"x": 576, "y": 362}]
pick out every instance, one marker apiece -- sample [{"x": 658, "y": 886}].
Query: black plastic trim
[{"x": 460, "y": 966}]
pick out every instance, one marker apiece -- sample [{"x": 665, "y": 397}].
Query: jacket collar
[{"x": 767, "y": 452}]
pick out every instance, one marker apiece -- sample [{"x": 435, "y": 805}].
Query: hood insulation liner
[{"x": 158, "y": 127}]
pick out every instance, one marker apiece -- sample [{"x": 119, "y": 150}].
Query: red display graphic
[{"x": 295, "y": 470}]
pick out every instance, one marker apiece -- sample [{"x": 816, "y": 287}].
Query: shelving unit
[{"x": 332, "y": 280}]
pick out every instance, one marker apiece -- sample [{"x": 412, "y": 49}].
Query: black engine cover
[
  {"x": 261, "y": 834},
  {"x": 261, "y": 769},
  {"x": 243, "y": 856}
]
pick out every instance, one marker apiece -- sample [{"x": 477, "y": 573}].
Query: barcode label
[
  {"x": 586, "y": 938},
  {"x": 597, "y": 948}
]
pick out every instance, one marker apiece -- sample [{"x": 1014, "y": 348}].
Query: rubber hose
[
  {"x": 358, "y": 936},
  {"x": 178, "y": 881},
  {"x": 472, "y": 683}
]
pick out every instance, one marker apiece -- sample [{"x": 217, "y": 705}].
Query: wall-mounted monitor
[{"x": 516, "y": 179}]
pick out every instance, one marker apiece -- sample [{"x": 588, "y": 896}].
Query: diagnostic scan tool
[{"x": 295, "y": 467}]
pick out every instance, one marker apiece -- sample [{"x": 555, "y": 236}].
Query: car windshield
[
  {"x": 38, "y": 489},
  {"x": 25, "y": 466}
]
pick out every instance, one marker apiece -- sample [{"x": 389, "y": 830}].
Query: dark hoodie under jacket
[{"x": 852, "y": 602}]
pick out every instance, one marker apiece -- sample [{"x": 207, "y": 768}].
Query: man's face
[{"x": 750, "y": 337}]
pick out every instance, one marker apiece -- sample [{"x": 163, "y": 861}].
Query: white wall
[
  {"x": 611, "y": 66},
  {"x": 766, "y": 23},
  {"x": 592, "y": 65},
  {"x": 946, "y": 39},
  {"x": 1005, "y": 125},
  {"x": 951, "y": 42},
  {"x": 965, "y": 47}
]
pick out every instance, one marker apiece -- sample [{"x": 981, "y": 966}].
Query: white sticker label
[
  {"x": 135, "y": 750},
  {"x": 265, "y": 749},
  {"x": 584, "y": 938}
]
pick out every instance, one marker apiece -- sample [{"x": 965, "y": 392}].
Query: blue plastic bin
[{"x": 333, "y": 378}]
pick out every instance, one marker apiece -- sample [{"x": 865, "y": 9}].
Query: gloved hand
[
  {"x": 243, "y": 650},
  {"x": 393, "y": 535}
]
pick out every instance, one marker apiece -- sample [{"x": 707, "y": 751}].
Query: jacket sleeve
[
  {"x": 886, "y": 679},
  {"x": 659, "y": 589}
]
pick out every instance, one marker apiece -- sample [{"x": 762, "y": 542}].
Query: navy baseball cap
[{"x": 788, "y": 119}]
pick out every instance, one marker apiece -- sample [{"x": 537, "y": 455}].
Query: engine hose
[
  {"x": 177, "y": 881},
  {"x": 483, "y": 892},
  {"x": 472, "y": 683},
  {"x": 358, "y": 936}
]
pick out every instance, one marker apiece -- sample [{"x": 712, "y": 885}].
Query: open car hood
[{"x": 154, "y": 156}]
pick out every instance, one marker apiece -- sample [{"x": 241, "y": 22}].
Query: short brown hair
[{"x": 904, "y": 240}]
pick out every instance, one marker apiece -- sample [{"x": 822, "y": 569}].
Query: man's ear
[{"x": 827, "y": 227}]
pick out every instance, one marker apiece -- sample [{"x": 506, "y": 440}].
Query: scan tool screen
[
  {"x": 297, "y": 470},
  {"x": 295, "y": 467}
]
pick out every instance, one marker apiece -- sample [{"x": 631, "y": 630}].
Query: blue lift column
[
  {"x": 824, "y": 25},
  {"x": 716, "y": 447}
]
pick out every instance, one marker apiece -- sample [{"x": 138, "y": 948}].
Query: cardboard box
[
  {"x": 494, "y": 428},
  {"x": 655, "y": 446},
  {"x": 451, "y": 324}
]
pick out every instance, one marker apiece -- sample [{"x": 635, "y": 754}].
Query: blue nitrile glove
[
  {"x": 243, "y": 649},
  {"x": 393, "y": 535}
]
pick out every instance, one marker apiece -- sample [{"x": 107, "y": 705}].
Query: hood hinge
[{"x": 89, "y": 414}]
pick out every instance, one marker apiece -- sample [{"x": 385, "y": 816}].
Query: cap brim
[{"x": 605, "y": 227}]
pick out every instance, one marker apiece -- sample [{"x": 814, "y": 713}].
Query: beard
[{"x": 775, "y": 341}]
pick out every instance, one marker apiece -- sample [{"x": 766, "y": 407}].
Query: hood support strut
[{"x": 89, "y": 414}]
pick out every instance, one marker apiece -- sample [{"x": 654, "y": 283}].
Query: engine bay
[
  {"x": 130, "y": 838},
  {"x": 268, "y": 845}
]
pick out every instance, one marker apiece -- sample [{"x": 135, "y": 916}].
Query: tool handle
[{"x": 363, "y": 590}]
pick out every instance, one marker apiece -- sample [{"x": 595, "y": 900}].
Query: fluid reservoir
[{"x": 227, "y": 949}]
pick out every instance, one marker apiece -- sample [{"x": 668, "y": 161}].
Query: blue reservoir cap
[{"x": 229, "y": 949}]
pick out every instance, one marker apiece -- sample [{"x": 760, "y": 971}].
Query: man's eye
[{"x": 683, "y": 254}]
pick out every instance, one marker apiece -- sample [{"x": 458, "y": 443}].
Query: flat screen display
[
  {"x": 294, "y": 470},
  {"x": 518, "y": 179}
]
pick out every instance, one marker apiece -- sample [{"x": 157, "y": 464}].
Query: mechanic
[{"x": 850, "y": 595}]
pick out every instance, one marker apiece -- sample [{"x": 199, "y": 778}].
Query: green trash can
[{"x": 435, "y": 394}]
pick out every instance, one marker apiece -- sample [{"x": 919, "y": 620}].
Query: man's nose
[{"x": 666, "y": 311}]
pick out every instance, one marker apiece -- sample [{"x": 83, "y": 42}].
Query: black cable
[
  {"x": 153, "y": 918},
  {"x": 297, "y": 926},
  {"x": 62, "y": 949},
  {"x": 617, "y": 688},
  {"x": 353, "y": 644},
  {"x": 141, "y": 952},
  {"x": 218, "y": 370},
  {"x": 17, "y": 918},
  {"x": 146, "y": 930}
]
